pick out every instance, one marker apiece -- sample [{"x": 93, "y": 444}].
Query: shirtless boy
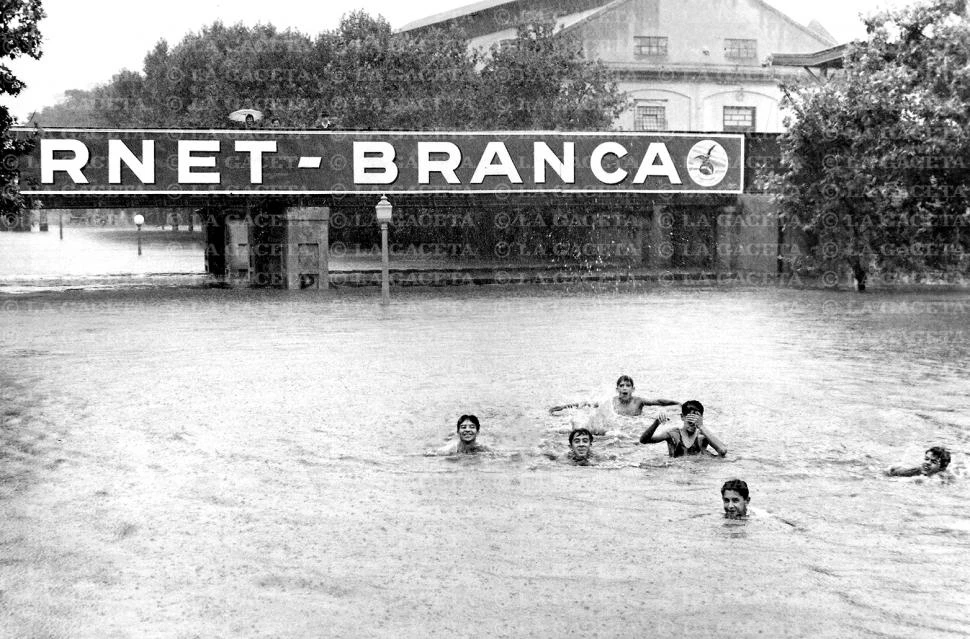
[
  {"x": 467, "y": 442},
  {"x": 625, "y": 403},
  {"x": 935, "y": 460},
  {"x": 691, "y": 438}
]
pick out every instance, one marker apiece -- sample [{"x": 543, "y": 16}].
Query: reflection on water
[{"x": 238, "y": 430}]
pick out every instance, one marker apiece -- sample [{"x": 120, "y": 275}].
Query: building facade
[{"x": 686, "y": 65}]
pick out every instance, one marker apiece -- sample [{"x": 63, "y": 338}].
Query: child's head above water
[
  {"x": 464, "y": 428},
  {"x": 581, "y": 441},
  {"x": 935, "y": 460},
  {"x": 734, "y": 494}
]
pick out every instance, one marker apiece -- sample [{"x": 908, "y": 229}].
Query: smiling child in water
[
  {"x": 935, "y": 461},
  {"x": 467, "y": 442},
  {"x": 735, "y": 497}
]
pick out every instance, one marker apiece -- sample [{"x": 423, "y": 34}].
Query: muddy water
[{"x": 247, "y": 463}]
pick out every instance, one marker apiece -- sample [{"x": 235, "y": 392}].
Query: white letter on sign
[
  {"x": 187, "y": 162},
  {"x": 504, "y": 167},
  {"x": 143, "y": 169},
  {"x": 72, "y": 166},
  {"x": 445, "y": 167},
  {"x": 565, "y": 168},
  {"x": 378, "y": 157},
  {"x": 255, "y": 149},
  {"x": 666, "y": 167},
  {"x": 596, "y": 163}
]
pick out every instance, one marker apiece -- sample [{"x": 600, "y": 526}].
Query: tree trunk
[{"x": 859, "y": 272}]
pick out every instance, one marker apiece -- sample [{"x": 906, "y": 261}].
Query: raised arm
[
  {"x": 660, "y": 402},
  {"x": 558, "y": 409},
  {"x": 649, "y": 436},
  {"x": 902, "y": 471},
  {"x": 715, "y": 443}
]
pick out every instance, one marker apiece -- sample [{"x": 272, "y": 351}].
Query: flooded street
[{"x": 219, "y": 463}]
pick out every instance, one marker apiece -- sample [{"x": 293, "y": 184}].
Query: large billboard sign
[{"x": 276, "y": 162}]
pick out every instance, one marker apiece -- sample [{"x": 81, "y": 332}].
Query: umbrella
[{"x": 243, "y": 114}]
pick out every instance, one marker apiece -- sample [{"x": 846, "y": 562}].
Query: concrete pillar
[
  {"x": 307, "y": 247},
  {"x": 238, "y": 259}
]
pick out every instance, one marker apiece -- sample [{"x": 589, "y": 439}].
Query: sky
[{"x": 85, "y": 43}]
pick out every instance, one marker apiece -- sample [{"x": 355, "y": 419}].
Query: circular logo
[{"x": 707, "y": 163}]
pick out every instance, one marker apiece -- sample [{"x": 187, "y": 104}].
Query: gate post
[{"x": 307, "y": 247}]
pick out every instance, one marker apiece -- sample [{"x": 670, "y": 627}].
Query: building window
[
  {"x": 650, "y": 116},
  {"x": 740, "y": 49},
  {"x": 650, "y": 46},
  {"x": 507, "y": 44},
  {"x": 739, "y": 119}
]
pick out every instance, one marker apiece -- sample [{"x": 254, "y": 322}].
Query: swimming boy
[
  {"x": 625, "y": 404},
  {"x": 580, "y": 449},
  {"x": 935, "y": 460},
  {"x": 734, "y": 495},
  {"x": 467, "y": 442},
  {"x": 690, "y": 439}
]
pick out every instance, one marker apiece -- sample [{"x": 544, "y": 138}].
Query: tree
[
  {"x": 543, "y": 81},
  {"x": 18, "y": 36},
  {"x": 875, "y": 160},
  {"x": 362, "y": 75}
]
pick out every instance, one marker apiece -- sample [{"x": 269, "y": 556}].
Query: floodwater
[{"x": 219, "y": 463}]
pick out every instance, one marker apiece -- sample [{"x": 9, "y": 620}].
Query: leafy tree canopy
[
  {"x": 361, "y": 75},
  {"x": 875, "y": 159},
  {"x": 19, "y": 36}
]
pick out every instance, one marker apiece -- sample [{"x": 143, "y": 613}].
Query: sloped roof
[
  {"x": 452, "y": 14},
  {"x": 819, "y": 34},
  {"x": 826, "y": 58}
]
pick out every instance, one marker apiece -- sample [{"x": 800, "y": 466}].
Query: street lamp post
[
  {"x": 139, "y": 219},
  {"x": 384, "y": 209}
]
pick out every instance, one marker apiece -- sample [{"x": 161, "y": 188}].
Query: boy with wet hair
[
  {"x": 690, "y": 439},
  {"x": 467, "y": 442},
  {"x": 580, "y": 449},
  {"x": 735, "y": 496},
  {"x": 935, "y": 460},
  {"x": 624, "y": 403}
]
